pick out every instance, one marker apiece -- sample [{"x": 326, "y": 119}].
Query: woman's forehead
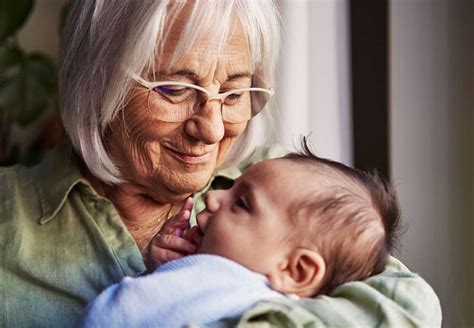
[
  {"x": 206, "y": 62},
  {"x": 184, "y": 46}
]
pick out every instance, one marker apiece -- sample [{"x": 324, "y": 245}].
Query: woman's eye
[
  {"x": 232, "y": 98},
  {"x": 170, "y": 90},
  {"x": 242, "y": 202}
]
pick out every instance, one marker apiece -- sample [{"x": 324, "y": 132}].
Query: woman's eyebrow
[
  {"x": 238, "y": 76},
  {"x": 183, "y": 72},
  {"x": 193, "y": 76}
]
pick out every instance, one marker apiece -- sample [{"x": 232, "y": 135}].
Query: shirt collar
[
  {"x": 54, "y": 178},
  {"x": 230, "y": 173}
]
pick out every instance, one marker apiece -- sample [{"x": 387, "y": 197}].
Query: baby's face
[{"x": 250, "y": 222}]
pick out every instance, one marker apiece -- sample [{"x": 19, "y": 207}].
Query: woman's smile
[{"x": 197, "y": 157}]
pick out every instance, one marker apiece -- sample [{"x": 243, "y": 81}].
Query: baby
[{"x": 299, "y": 225}]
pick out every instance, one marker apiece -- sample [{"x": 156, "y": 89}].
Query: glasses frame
[{"x": 210, "y": 95}]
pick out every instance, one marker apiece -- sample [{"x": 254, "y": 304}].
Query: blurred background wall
[
  {"x": 314, "y": 77},
  {"x": 426, "y": 88},
  {"x": 429, "y": 104},
  {"x": 432, "y": 144}
]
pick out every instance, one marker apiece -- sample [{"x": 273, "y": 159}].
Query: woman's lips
[{"x": 190, "y": 158}]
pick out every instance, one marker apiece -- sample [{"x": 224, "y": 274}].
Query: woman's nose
[{"x": 206, "y": 124}]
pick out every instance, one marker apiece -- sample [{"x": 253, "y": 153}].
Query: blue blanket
[{"x": 195, "y": 289}]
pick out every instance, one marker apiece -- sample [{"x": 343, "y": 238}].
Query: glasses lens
[
  {"x": 177, "y": 103},
  {"x": 174, "y": 103},
  {"x": 241, "y": 106}
]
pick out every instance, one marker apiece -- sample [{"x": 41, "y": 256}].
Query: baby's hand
[{"x": 175, "y": 238}]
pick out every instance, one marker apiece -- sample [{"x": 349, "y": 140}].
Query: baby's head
[{"x": 308, "y": 224}]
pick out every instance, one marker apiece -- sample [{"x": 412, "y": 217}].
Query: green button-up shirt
[{"x": 62, "y": 244}]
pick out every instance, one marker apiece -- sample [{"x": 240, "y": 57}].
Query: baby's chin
[
  {"x": 205, "y": 248},
  {"x": 212, "y": 243},
  {"x": 201, "y": 249}
]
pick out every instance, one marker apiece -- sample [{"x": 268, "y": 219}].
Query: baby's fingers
[
  {"x": 194, "y": 235},
  {"x": 177, "y": 224},
  {"x": 188, "y": 204},
  {"x": 174, "y": 243},
  {"x": 159, "y": 256}
]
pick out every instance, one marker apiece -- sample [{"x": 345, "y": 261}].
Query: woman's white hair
[{"x": 106, "y": 41}]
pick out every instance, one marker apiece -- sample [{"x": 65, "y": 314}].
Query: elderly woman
[{"x": 159, "y": 100}]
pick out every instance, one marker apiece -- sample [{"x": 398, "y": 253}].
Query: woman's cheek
[{"x": 232, "y": 132}]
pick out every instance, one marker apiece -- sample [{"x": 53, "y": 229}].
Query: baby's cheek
[
  {"x": 214, "y": 242},
  {"x": 207, "y": 243}
]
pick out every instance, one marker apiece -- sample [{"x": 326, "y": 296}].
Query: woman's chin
[
  {"x": 194, "y": 183},
  {"x": 178, "y": 184}
]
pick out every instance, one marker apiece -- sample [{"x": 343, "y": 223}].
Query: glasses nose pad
[{"x": 202, "y": 98}]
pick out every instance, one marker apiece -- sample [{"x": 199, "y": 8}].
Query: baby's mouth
[
  {"x": 201, "y": 221},
  {"x": 198, "y": 237},
  {"x": 199, "y": 225},
  {"x": 200, "y": 229}
]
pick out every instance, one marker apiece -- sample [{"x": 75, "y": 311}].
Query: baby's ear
[{"x": 302, "y": 273}]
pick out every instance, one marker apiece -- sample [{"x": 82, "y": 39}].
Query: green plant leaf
[
  {"x": 28, "y": 87},
  {"x": 13, "y": 14}
]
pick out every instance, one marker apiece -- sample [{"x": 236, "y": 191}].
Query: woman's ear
[{"x": 302, "y": 274}]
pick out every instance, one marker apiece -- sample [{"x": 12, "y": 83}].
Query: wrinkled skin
[{"x": 162, "y": 162}]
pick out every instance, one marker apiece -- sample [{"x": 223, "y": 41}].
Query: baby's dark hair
[{"x": 356, "y": 219}]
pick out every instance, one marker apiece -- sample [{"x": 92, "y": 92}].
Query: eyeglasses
[{"x": 178, "y": 101}]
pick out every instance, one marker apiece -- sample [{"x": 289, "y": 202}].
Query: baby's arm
[{"x": 175, "y": 239}]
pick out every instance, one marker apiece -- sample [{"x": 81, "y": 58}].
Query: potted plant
[{"x": 28, "y": 86}]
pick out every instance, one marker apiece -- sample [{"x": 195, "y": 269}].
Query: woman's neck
[{"x": 142, "y": 215}]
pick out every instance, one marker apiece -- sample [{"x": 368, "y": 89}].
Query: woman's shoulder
[
  {"x": 16, "y": 192},
  {"x": 28, "y": 192}
]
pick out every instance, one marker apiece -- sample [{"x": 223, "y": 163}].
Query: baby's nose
[{"x": 212, "y": 200}]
